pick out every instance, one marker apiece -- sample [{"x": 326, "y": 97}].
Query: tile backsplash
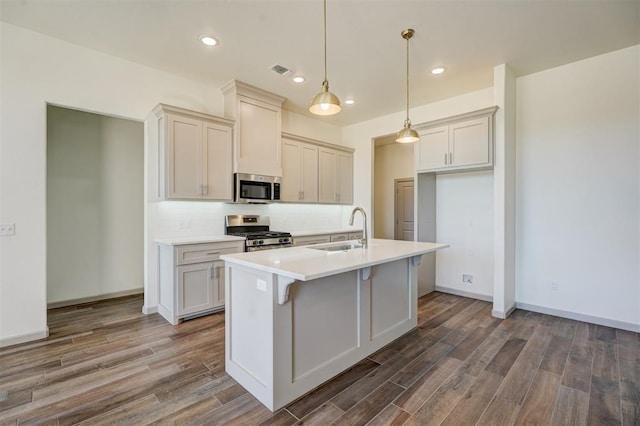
[{"x": 190, "y": 218}]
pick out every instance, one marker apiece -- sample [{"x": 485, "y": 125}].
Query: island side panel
[
  {"x": 249, "y": 352},
  {"x": 391, "y": 298},
  {"x": 325, "y": 321}
]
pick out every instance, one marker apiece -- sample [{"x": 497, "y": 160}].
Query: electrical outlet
[
  {"x": 467, "y": 278},
  {"x": 554, "y": 285},
  {"x": 7, "y": 229},
  {"x": 261, "y": 285}
]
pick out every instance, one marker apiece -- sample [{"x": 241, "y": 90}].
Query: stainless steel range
[{"x": 255, "y": 229}]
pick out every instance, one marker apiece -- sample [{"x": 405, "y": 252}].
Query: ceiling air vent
[{"x": 280, "y": 69}]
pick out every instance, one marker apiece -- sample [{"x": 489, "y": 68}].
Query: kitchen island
[{"x": 296, "y": 317}]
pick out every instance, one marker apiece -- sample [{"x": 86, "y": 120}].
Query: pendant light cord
[
  {"x": 325, "y": 40},
  {"x": 407, "y": 80}
]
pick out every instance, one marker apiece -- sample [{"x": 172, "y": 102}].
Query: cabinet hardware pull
[
  {"x": 213, "y": 252},
  {"x": 451, "y": 158},
  {"x": 445, "y": 159}
]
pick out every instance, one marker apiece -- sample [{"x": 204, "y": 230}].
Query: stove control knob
[
  {"x": 261, "y": 242},
  {"x": 283, "y": 240},
  {"x": 254, "y": 242}
]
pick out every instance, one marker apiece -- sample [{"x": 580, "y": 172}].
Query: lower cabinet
[
  {"x": 309, "y": 240},
  {"x": 339, "y": 237},
  {"x": 200, "y": 287},
  {"x": 192, "y": 279}
]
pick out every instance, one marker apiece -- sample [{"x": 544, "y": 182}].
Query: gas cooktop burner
[{"x": 256, "y": 231}]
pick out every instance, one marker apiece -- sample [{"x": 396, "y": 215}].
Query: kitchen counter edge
[
  {"x": 178, "y": 241},
  {"x": 305, "y": 263}
]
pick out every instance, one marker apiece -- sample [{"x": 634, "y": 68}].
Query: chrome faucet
[{"x": 363, "y": 241}]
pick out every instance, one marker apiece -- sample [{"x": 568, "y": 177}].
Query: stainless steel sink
[{"x": 338, "y": 247}]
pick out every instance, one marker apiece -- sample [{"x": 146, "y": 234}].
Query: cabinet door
[
  {"x": 217, "y": 171},
  {"x": 292, "y": 173},
  {"x": 327, "y": 176},
  {"x": 344, "y": 179},
  {"x": 218, "y": 284},
  {"x": 195, "y": 288},
  {"x": 309, "y": 161},
  {"x": 184, "y": 157},
  {"x": 432, "y": 151},
  {"x": 259, "y": 138},
  {"x": 469, "y": 142}
]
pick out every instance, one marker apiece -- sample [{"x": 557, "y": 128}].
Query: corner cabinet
[
  {"x": 192, "y": 279},
  {"x": 258, "y": 117},
  {"x": 456, "y": 143},
  {"x": 189, "y": 155}
]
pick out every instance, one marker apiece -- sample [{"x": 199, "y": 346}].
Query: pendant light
[
  {"x": 325, "y": 102},
  {"x": 407, "y": 134}
]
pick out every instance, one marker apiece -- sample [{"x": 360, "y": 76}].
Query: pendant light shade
[
  {"x": 407, "y": 134},
  {"x": 325, "y": 102}
]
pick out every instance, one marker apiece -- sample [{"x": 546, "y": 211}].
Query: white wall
[
  {"x": 578, "y": 188},
  {"x": 464, "y": 220},
  {"x": 36, "y": 70},
  {"x": 392, "y": 161},
  {"x": 94, "y": 205}
]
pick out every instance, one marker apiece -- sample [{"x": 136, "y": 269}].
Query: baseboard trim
[
  {"x": 502, "y": 314},
  {"x": 464, "y": 293},
  {"x": 23, "y": 338},
  {"x": 629, "y": 326},
  {"x": 149, "y": 309},
  {"x": 106, "y": 296}
]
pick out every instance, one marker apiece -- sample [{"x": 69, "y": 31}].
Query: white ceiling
[{"x": 366, "y": 54}]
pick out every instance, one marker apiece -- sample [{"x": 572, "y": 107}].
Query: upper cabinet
[
  {"x": 258, "y": 117},
  {"x": 315, "y": 171},
  {"x": 299, "y": 171},
  {"x": 189, "y": 155},
  {"x": 456, "y": 143},
  {"x": 335, "y": 176}
]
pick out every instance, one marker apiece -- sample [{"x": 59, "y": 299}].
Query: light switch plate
[{"x": 7, "y": 229}]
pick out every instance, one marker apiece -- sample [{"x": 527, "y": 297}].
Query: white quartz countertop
[
  {"x": 325, "y": 232},
  {"x": 202, "y": 239},
  {"x": 307, "y": 263}
]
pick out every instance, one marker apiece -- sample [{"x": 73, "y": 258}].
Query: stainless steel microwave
[{"x": 256, "y": 188}]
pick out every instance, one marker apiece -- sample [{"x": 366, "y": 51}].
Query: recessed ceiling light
[
  {"x": 349, "y": 101},
  {"x": 438, "y": 70},
  {"x": 208, "y": 40},
  {"x": 298, "y": 79}
]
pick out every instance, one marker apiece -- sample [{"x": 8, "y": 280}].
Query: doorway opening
[
  {"x": 95, "y": 207},
  {"x": 392, "y": 161}
]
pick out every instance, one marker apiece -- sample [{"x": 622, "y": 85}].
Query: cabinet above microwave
[{"x": 258, "y": 126}]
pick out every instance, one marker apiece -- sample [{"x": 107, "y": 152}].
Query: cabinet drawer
[
  {"x": 311, "y": 240},
  {"x": 196, "y": 253},
  {"x": 339, "y": 237}
]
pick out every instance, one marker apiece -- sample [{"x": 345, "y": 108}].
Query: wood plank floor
[{"x": 106, "y": 363}]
